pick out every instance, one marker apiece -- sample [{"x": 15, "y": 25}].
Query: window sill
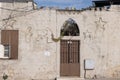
[{"x": 4, "y": 58}]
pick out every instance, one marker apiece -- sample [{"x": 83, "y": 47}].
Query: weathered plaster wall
[
  {"x": 102, "y": 41},
  {"x": 17, "y": 7},
  {"x": 37, "y": 52},
  {"x": 39, "y": 56},
  {"x": 99, "y": 38}
]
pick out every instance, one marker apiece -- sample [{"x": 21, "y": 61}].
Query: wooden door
[{"x": 69, "y": 58}]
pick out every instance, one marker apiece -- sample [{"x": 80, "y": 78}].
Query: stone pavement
[
  {"x": 105, "y": 79},
  {"x": 80, "y": 79},
  {"x": 73, "y": 78}
]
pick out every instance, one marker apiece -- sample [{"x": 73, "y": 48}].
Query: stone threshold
[{"x": 70, "y": 78}]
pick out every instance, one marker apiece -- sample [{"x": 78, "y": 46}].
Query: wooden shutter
[{"x": 10, "y": 37}]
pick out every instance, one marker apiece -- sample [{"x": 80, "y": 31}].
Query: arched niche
[{"x": 70, "y": 28}]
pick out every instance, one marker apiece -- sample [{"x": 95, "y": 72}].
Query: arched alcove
[{"x": 70, "y": 28}]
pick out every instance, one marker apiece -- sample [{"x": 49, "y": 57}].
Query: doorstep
[{"x": 70, "y": 78}]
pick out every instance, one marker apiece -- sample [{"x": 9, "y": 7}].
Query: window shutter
[{"x": 10, "y": 37}]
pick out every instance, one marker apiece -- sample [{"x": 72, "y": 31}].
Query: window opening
[{"x": 70, "y": 28}]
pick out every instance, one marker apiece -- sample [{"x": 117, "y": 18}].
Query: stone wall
[
  {"x": 99, "y": 38},
  {"x": 37, "y": 51},
  {"x": 39, "y": 55}
]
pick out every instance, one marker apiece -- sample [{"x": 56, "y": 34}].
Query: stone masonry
[{"x": 99, "y": 37}]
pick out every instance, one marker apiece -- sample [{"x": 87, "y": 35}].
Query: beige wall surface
[{"x": 39, "y": 55}]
